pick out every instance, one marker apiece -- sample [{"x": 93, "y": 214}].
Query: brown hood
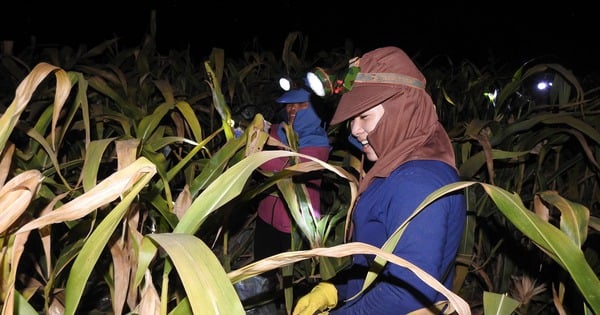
[
  {"x": 409, "y": 128},
  {"x": 384, "y": 72}
]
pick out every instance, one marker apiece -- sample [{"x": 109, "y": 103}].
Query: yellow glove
[{"x": 322, "y": 297}]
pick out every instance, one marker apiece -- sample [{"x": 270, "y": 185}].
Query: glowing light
[
  {"x": 285, "y": 83},
  {"x": 543, "y": 85},
  {"x": 491, "y": 95},
  {"x": 314, "y": 82}
]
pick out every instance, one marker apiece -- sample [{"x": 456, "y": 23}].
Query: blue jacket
[{"x": 430, "y": 241}]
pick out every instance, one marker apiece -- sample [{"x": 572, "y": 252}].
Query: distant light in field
[
  {"x": 543, "y": 85},
  {"x": 492, "y": 96}
]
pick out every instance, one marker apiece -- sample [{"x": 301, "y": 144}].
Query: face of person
[
  {"x": 292, "y": 109},
  {"x": 361, "y": 125}
]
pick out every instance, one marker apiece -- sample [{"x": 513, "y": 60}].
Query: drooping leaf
[{"x": 208, "y": 289}]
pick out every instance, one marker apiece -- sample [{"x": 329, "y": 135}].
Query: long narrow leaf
[
  {"x": 209, "y": 290},
  {"x": 16, "y": 196},
  {"x": 546, "y": 236},
  {"x": 344, "y": 250},
  {"x": 231, "y": 183},
  {"x": 574, "y": 217},
  {"x": 105, "y": 192},
  {"x": 498, "y": 304},
  {"x": 98, "y": 240},
  {"x": 552, "y": 240},
  {"x": 25, "y": 91}
]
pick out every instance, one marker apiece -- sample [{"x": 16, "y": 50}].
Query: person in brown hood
[{"x": 394, "y": 121}]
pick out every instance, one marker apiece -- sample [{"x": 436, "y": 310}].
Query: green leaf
[
  {"x": 149, "y": 123},
  {"x": 93, "y": 247},
  {"x": 93, "y": 157},
  {"x": 191, "y": 119},
  {"x": 209, "y": 290},
  {"x": 470, "y": 167},
  {"x": 219, "y": 102},
  {"x": 550, "y": 239},
  {"x": 229, "y": 185},
  {"x": 498, "y": 304},
  {"x": 22, "y": 306},
  {"x": 574, "y": 217}
]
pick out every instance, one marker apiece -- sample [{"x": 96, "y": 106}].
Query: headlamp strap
[{"x": 388, "y": 78}]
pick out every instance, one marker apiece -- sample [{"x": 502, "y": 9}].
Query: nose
[
  {"x": 292, "y": 108},
  {"x": 355, "y": 128}
]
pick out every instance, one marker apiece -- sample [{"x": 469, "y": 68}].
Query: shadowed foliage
[{"x": 128, "y": 181}]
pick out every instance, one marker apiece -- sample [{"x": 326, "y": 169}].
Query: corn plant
[{"x": 125, "y": 166}]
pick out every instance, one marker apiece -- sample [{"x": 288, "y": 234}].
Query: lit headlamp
[
  {"x": 324, "y": 83},
  {"x": 285, "y": 83}
]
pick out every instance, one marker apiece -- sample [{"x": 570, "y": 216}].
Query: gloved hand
[{"x": 322, "y": 297}]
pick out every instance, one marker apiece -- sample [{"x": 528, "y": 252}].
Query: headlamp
[
  {"x": 319, "y": 81},
  {"x": 285, "y": 83},
  {"x": 324, "y": 83}
]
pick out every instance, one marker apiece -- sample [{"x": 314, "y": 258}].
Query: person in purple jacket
[
  {"x": 394, "y": 121},
  {"x": 273, "y": 225}
]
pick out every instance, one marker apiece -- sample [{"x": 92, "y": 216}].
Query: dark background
[{"x": 480, "y": 31}]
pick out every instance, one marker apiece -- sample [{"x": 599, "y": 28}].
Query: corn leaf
[{"x": 208, "y": 289}]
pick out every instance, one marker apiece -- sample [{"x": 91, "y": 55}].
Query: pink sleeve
[
  {"x": 276, "y": 164},
  {"x": 321, "y": 153},
  {"x": 279, "y": 217}
]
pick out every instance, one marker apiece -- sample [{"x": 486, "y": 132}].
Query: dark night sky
[{"x": 513, "y": 31}]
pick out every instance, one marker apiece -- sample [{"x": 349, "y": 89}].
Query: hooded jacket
[{"x": 415, "y": 157}]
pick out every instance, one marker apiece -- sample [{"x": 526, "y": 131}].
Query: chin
[
  {"x": 372, "y": 157},
  {"x": 370, "y": 154}
]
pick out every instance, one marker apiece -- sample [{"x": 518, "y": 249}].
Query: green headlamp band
[
  {"x": 388, "y": 78},
  {"x": 350, "y": 77}
]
